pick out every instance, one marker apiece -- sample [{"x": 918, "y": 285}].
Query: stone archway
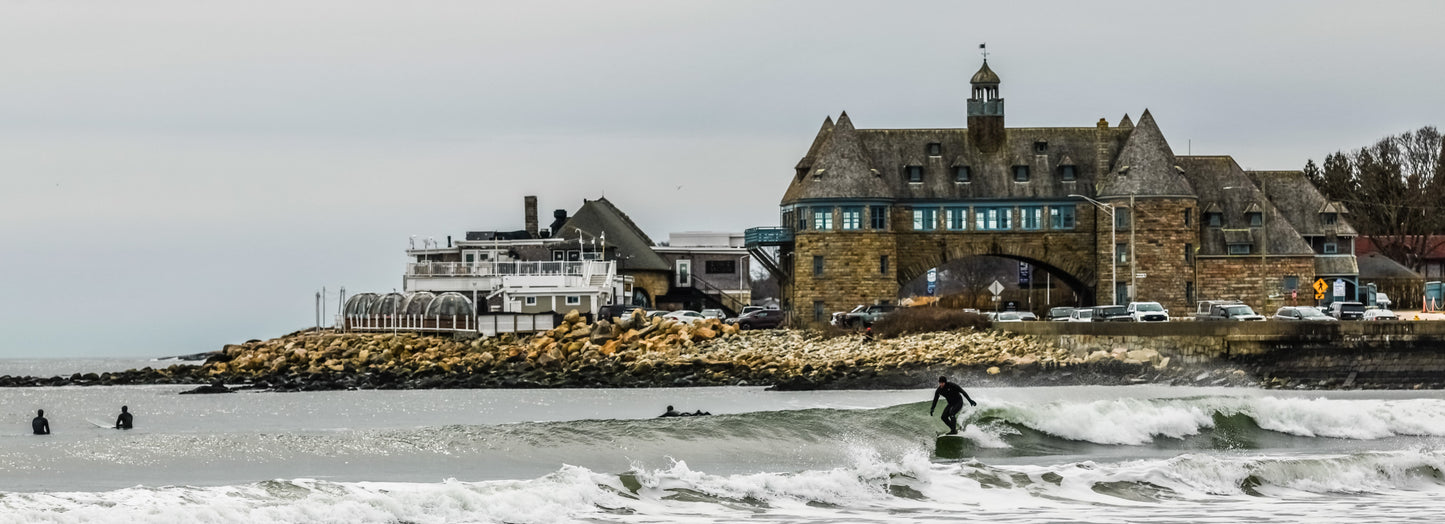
[{"x": 1066, "y": 263}]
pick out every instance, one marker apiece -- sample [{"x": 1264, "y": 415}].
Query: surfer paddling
[
  {"x": 675, "y": 413},
  {"x": 125, "y": 420},
  {"x": 955, "y": 396}
]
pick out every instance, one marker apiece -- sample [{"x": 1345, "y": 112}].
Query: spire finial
[{"x": 984, "y": 52}]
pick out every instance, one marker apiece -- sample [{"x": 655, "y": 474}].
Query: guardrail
[
  {"x": 410, "y": 323},
  {"x": 755, "y": 236}
]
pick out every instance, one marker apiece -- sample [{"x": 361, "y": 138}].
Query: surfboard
[{"x": 99, "y": 425}]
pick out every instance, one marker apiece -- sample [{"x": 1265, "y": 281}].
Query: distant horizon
[{"x": 184, "y": 176}]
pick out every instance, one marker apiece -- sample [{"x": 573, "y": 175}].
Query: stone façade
[{"x": 1194, "y": 230}]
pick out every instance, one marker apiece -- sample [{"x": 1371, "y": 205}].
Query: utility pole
[
  {"x": 1133, "y": 260},
  {"x": 1113, "y": 246}
]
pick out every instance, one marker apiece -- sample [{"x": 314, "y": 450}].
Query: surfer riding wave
[{"x": 955, "y": 396}]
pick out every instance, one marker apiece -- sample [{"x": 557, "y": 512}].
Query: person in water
[
  {"x": 675, "y": 413},
  {"x": 955, "y": 396},
  {"x": 39, "y": 424},
  {"x": 125, "y": 420}
]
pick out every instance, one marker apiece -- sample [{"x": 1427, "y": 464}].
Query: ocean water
[{"x": 1146, "y": 454}]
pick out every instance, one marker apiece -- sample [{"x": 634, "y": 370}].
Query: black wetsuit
[
  {"x": 40, "y": 426},
  {"x": 124, "y": 421},
  {"x": 955, "y": 396}
]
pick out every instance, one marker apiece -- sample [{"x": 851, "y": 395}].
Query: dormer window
[
  {"x": 1067, "y": 173},
  {"x": 803, "y": 171},
  {"x": 962, "y": 174},
  {"x": 1041, "y": 147},
  {"x": 1021, "y": 173},
  {"x": 1329, "y": 218},
  {"x": 1256, "y": 219},
  {"x": 1331, "y": 248},
  {"x": 1214, "y": 219},
  {"x": 935, "y": 149},
  {"x": 914, "y": 173},
  {"x": 1239, "y": 249}
]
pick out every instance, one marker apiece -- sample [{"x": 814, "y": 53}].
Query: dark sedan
[{"x": 763, "y": 319}]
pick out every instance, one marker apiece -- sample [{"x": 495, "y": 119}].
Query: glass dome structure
[
  {"x": 359, "y": 304},
  {"x": 450, "y": 303}
]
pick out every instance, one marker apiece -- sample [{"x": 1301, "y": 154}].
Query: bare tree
[{"x": 1393, "y": 190}]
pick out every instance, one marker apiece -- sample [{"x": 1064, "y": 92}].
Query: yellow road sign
[
  {"x": 1320, "y": 286},
  {"x": 1319, "y": 296}
]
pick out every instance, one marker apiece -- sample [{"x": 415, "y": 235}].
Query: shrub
[{"x": 926, "y": 319}]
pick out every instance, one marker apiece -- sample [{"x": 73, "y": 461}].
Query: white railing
[
  {"x": 490, "y": 269},
  {"x": 410, "y": 323}
]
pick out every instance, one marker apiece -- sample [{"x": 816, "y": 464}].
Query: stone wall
[
  {"x": 1255, "y": 281},
  {"x": 654, "y": 283},
  {"x": 1315, "y": 354},
  {"x": 851, "y": 271}
]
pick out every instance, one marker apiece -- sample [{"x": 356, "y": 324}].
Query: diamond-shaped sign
[
  {"x": 995, "y": 287},
  {"x": 1320, "y": 286}
]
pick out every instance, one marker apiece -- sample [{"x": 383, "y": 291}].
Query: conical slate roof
[
  {"x": 841, "y": 169},
  {"x": 823, "y": 134},
  {"x": 1145, "y": 166},
  {"x": 984, "y": 75}
]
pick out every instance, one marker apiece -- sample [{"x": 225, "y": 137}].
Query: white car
[
  {"x": 684, "y": 315},
  {"x": 1009, "y": 316},
  {"x": 1082, "y": 314},
  {"x": 1383, "y": 300},
  {"x": 1380, "y": 314},
  {"x": 1147, "y": 312}
]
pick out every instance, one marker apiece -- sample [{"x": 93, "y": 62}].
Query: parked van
[{"x": 1347, "y": 310}]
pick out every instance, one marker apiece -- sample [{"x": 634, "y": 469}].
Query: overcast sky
[{"x": 178, "y": 175}]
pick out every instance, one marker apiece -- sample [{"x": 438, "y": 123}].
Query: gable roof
[
  {"x": 634, "y": 248},
  {"x": 1221, "y": 184},
  {"x": 1301, "y": 203}
]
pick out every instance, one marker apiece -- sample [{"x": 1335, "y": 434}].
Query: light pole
[
  {"x": 1263, "y": 240},
  {"x": 1113, "y": 246}
]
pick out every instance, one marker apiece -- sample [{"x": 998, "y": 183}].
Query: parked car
[
  {"x": 868, "y": 315},
  {"x": 840, "y": 318},
  {"x": 1009, "y": 316},
  {"x": 1147, "y": 312},
  {"x": 1301, "y": 313},
  {"x": 713, "y": 313},
  {"x": 1112, "y": 314},
  {"x": 750, "y": 309},
  {"x": 1028, "y": 316},
  {"x": 1347, "y": 310},
  {"x": 1239, "y": 312},
  {"x": 1380, "y": 314},
  {"x": 611, "y": 311},
  {"x": 1204, "y": 308},
  {"x": 1083, "y": 314},
  {"x": 1060, "y": 314},
  {"x": 684, "y": 315},
  {"x": 1383, "y": 300},
  {"x": 760, "y": 319}
]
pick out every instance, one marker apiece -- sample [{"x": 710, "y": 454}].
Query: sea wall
[{"x": 1279, "y": 354}]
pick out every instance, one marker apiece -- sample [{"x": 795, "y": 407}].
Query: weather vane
[{"x": 984, "y": 47}]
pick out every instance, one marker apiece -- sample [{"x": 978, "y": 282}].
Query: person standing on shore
[
  {"x": 955, "y": 396},
  {"x": 125, "y": 420},
  {"x": 39, "y": 425}
]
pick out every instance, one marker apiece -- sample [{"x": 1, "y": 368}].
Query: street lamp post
[{"x": 1113, "y": 246}]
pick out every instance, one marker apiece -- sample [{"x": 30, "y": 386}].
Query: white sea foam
[{"x": 1127, "y": 421}]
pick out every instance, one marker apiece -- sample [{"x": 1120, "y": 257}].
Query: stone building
[{"x": 1109, "y": 210}]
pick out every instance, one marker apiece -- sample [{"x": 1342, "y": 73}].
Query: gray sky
[{"x": 178, "y": 175}]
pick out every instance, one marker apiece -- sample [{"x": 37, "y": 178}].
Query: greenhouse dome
[
  {"x": 388, "y": 304},
  {"x": 416, "y": 303},
  {"x": 359, "y": 304},
  {"x": 448, "y": 304}
]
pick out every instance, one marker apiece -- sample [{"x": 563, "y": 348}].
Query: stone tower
[{"x": 985, "y": 111}]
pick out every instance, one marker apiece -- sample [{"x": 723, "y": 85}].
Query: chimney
[
  {"x": 530, "y": 203},
  {"x": 559, "y": 217}
]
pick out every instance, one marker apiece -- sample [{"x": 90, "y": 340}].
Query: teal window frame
[
  {"x": 925, "y": 218},
  {"x": 823, "y": 219},
  {"x": 878, "y": 217},
  {"x": 1063, "y": 217},
  {"x": 1031, "y": 218},
  {"x": 852, "y": 218},
  {"x": 956, "y": 218}
]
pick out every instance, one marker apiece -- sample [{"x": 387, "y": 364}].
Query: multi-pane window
[
  {"x": 1021, "y": 173},
  {"x": 1239, "y": 249},
  {"x": 962, "y": 174},
  {"x": 1121, "y": 218},
  {"x": 823, "y": 219},
  {"x": 878, "y": 217},
  {"x": 817, "y": 265},
  {"x": 925, "y": 219},
  {"x": 957, "y": 218},
  {"x": 915, "y": 174},
  {"x": 1121, "y": 253},
  {"x": 574, "y": 300},
  {"x": 852, "y": 218},
  {"x": 992, "y": 218},
  {"x": 1061, "y": 217},
  {"x": 1330, "y": 218},
  {"x": 720, "y": 266},
  {"x": 803, "y": 218},
  {"x": 1067, "y": 173},
  {"x": 1031, "y": 217}
]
